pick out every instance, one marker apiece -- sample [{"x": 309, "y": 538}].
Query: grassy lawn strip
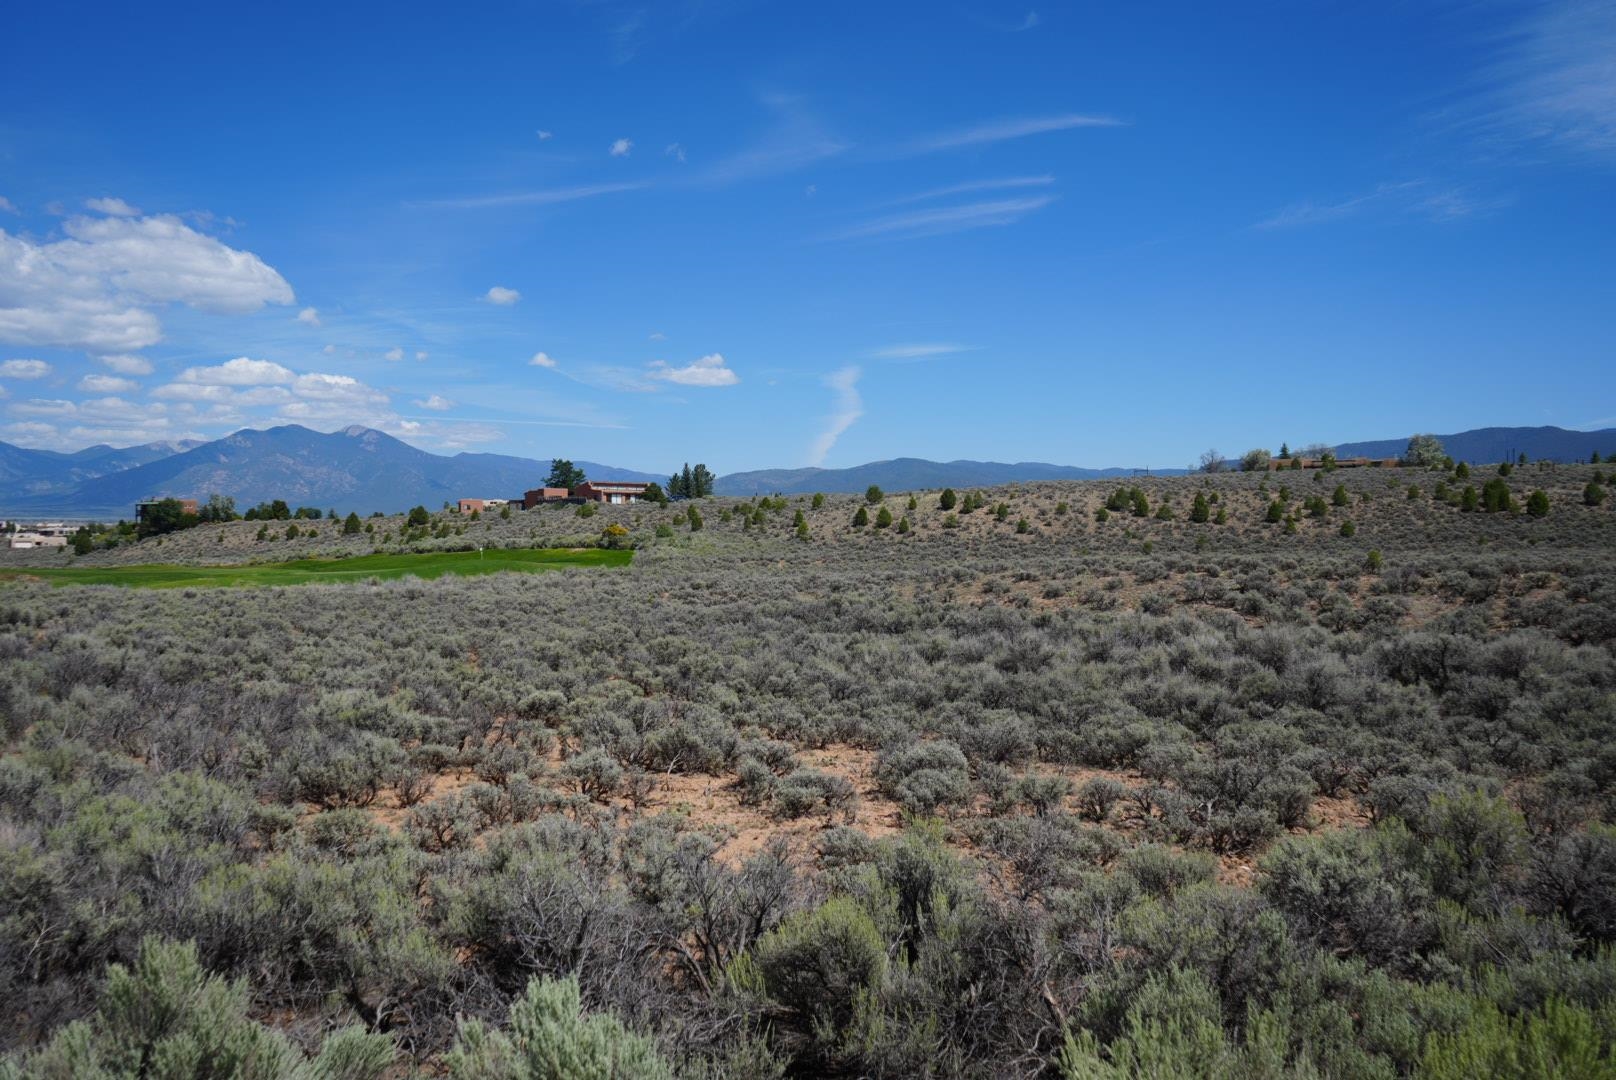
[{"x": 304, "y": 571}]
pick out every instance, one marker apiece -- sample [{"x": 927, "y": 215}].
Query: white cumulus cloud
[
  {"x": 99, "y": 286},
  {"x": 125, "y": 364},
  {"x": 95, "y": 383},
  {"x": 309, "y": 316},
  {"x": 394, "y": 354},
  {"x": 542, "y": 359},
  {"x": 436, "y": 402},
  {"x": 112, "y": 207},
  {"x": 24, "y": 369},
  {"x": 622, "y": 148},
  {"x": 502, "y": 296},
  {"x": 241, "y": 371},
  {"x": 710, "y": 370}
]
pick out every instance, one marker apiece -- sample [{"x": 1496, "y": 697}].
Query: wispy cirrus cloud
[
  {"x": 1001, "y": 183},
  {"x": 1418, "y": 198},
  {"x": 537, "y": 197},
  {"x": 1552, "y": 80},
  {"x": 849, "y": 406},
  {"x": 919, "y": 350},
  {"x": 946, "y": 219},
  {"x": 1001, "y": 130}
]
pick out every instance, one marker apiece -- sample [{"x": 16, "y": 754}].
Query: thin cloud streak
[
  {"x": 1001, "y": 130},
  {"x": 1412, "y": 197},
  {"x": 948, "y": 219},
  {"x": 919, "y": 351},
  {"x": 970, "y": 186},
  {"x": 771, "y": 160},
  {"x": 849, "y": 407},
  {"x": 543, "y": 197},
  {"x": 536, "y": 423}
]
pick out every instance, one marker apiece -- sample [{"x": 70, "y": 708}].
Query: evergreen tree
[
  {"x": 1537, "y": 504},
  {"x": 351, "y": 524},
  {"x": 873, "y": 494},
  {"x": 1200, "y": 510},
  {"x": 947, "y": 499},
  {"x": 861, "y": 519},
  {"x": 818, "y": 500},
  {"x": 563, "y": 474},
  {"x": 1340, "y": 496},
  {"x": 883, "y": 519}
]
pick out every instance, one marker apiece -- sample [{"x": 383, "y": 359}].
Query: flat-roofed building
[{"x": 611, "y": 491}]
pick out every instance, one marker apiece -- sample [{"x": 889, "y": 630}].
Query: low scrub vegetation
[{"x": 1185, "y": 794}]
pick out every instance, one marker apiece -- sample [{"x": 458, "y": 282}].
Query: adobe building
[
  {"x": 610, "y": 491},
  {"x": 537, "y": 496}
]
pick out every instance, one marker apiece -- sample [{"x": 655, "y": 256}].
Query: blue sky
[{"x": 760, "y": 234}]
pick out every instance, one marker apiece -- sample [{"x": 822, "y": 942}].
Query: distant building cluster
[
  {"x": 38, "y": 534},
  {"x": 601, "y": 491},
  {"x": 145, "y": 507}
]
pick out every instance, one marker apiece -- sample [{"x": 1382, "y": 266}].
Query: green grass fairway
[{"x": 304, "y": 571}]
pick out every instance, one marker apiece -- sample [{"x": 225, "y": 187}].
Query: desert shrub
[
  {"x": 925, "y": 776},
  {"x": 550, "y": 1037},
  {"x": 1097, "y": 796},
  {"x": 806, "y": 791},
  {"x": 166, "y": 1017},
  {"x": 818, "y": 964},
  {"x": 596, "y": 773}
]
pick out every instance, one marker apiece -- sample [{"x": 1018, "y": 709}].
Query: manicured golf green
[{"x": 430, "y": 564}]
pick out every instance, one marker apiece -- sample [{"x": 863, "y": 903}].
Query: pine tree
[
  {"x": 1200, "y": 510},
  {"x": 861, "y": 519},
  {"x": 947, "y": 499},
  {"x": 351, "y": 524},
  {"x": 883, "y": 519}
]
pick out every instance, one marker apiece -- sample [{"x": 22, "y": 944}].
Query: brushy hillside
[{"x": 1012, "y": 792}]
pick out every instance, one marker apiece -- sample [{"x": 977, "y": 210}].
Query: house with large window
[{"x": 610, "y": 491}]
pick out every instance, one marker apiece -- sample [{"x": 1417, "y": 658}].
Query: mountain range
[
  {"x": 362, "y": 469},
  {"x": 1494, "y": 444},
  {"x": 357, "y": 468},
  {"x": 907, "y": 474}
]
